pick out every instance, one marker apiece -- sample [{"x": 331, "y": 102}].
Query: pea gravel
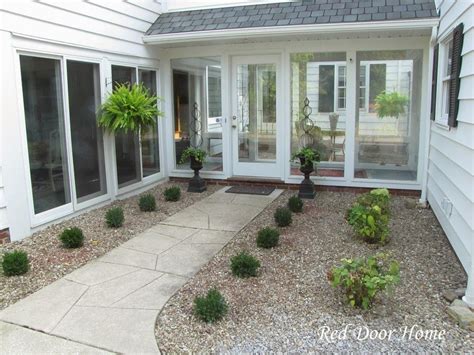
[
  {"x": 49, "y": 261},
  {"x": 284, "y": 308}
]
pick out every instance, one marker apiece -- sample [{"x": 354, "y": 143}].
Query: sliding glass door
[
  {"x": 45, "y": 132},
  {"x": 86, "y": 137}
]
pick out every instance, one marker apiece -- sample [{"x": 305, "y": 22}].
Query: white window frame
[
  {"x": 444, "y": 77},
  {"x": 337, "y": 87},
  {"x": 119, "y": 191}
]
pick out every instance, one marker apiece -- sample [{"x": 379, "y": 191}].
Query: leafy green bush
[
  {"x": 362, "y": 279},
  {"x": 114, "y": 217},
  {"x": 72, "y": 237},
  {"x": 172, "y": 193},
  {"x": 268, "y": 238},
  {"x": 244, "y": 265},
  {"x": 15, "y": 263},
  {"x": 283, "y": 217},
  {"x": 370, "y": 216},
  {"x": 369, "y": 223},
  {"x": 147, "y": 203},
  {"x": 129, "y": 108},
  {"x": 211, "y": 307},
  {"x": 295, "y": 204},
  {"x": 377, "y": 197}
]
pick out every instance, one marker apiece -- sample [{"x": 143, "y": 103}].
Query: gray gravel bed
[
  {"x": 49, "y": 261},
  {"x": 284, "y": 308}
]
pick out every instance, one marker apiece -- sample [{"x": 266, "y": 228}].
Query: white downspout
[{"x": 426, "y": 153}]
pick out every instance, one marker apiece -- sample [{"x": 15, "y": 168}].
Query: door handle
[{"x": 234, "y": 121}]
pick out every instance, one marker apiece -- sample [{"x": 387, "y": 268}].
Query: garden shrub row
[
  {"x": 363, "y": 278},
  {"x": 213, "y": 306}
]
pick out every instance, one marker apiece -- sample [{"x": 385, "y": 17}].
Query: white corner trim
[{"x": 239, "y": 33}]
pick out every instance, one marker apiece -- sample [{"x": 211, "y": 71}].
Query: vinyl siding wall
[{"x": 450, "y": 188}]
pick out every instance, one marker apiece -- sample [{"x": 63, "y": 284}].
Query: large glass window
[
  {"x": 127, "y": 145},
  {"x": 87, "y": 142},
  {"x": 149, "y": 136},
  {"x": 387, "y": 134},
  {"x": 318, "y": 92},
  {"x": 256, "y": 96},
  {"x": 42, "y": 98},
  {"x": 198, "y": 109}
]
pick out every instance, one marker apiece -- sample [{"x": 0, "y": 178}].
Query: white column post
[{"x": 469, "y": 296}]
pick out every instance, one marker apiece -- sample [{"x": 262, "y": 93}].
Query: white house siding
[
  {"x": 109, "y": 32},
  {"x": 450, "y": 189}
]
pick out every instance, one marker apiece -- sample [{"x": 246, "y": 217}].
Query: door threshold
[{"x": 240, "y": 178}]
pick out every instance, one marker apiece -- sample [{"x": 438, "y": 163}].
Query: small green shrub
[
  {"x": 283, "y": 217},
  {"x": 268, "y": 238},
  {"x": 363, "y": 279},
  {"x": 114, "y": 217},
  {"x": 172, "y": 193},
  {"x": 369, "y": 223},
  {"x": 244, "y": 265},
  {"x": 295, "y": 204},
  {"x": 147, "y": 203},
  {"x": 211, "y": 307},
  {"x": 377, "y": 197},
  {"x": 72, "y": 237},
  {"x": 15, "y": 263}
]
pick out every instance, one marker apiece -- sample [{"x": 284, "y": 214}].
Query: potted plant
[
  {"x": 197, "y": 157},
  {"x": 129, "y": 108},
  {"x": 390, "y": 104},
  {"x": 333, "y": 118},
  {"x": 307, "y": 157}
]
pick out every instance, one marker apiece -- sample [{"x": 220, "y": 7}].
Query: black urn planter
[
  {"x": 307, "y": 186},
  {"x": 197, "y": 183}
]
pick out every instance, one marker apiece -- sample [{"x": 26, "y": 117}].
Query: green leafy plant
[
  {"x": 211, "y": 307},
  {"x": 307, "y": 156},
  {"x": 295, "y": 204},
  {"x": 198, "y": 154},
  {"x": 147, "y": 203},
  {"x": 268, "y": 237},
  {"x": 114, "y": 217},
  {"x": 283, "y": 216},
  {"x": 369, "y": 223},
  {"x": 129, "y": 108},
  {"x": 15, "y": 263},
  {"x": 376, "y": 197},
  {"x": 362, "y": 279},
  {"x": 72, "y": 237},
  {"x": 172, "y": 193},
  {"x": 244, "y": 265},
  {"x": 390, "y": 104}
]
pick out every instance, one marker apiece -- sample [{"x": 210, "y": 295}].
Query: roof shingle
[{"x": 292, "y": 13}]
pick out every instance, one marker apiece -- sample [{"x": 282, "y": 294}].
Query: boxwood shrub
[
  {"x": 72, "y": 237},
  {"x": 147, "y": 203},
  {"x": 172, "y": 193},
  {"x": 295, "y": 204},
  {"x": 283, "y": 216},
  {"x": 244, "y": 265},
  {"x": 114, "y": 217},
  {"x": 268, "y": 237},
  {"x": 210, "y": 308},
  {"x": 15, "y": 263}
]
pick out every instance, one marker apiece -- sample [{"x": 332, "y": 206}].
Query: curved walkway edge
[{"x": 111, "y": 304}]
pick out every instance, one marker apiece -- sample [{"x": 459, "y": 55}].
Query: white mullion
[{"x": 351, "y": 106}]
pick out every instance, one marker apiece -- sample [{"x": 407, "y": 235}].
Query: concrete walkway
[{"x": 111, "y": 304}]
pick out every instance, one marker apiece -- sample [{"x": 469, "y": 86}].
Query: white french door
[{"x": 256, "y": 111}]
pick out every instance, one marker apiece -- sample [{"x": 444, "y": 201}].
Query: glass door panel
[
  {"x": 42, "y": 98},
  {"x": 87, "y": 140},
  {"x": 149, "y": 136},
  {"x": 127, "y": 145},
  {"x": 255, "y": 117}
]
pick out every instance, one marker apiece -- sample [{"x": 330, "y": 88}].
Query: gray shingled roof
[{"x": 302, "y": 12}]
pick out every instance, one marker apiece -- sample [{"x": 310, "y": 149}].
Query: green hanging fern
[
  {"x": 390, "y": 104},
  {"x": 129, "y": 108}
]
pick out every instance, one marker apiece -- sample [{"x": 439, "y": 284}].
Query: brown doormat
[{"x": 251, "y": 190}]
